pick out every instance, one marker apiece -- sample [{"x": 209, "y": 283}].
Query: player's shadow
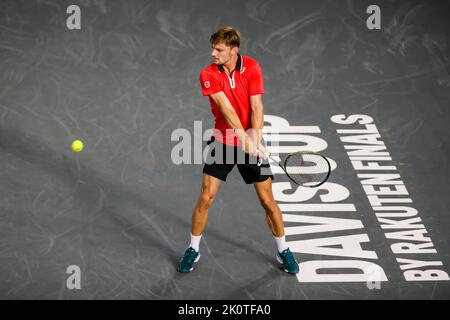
[{"x": 122, "y": 206}]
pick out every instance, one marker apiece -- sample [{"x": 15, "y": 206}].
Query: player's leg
[
  {"x": 210, "y": 187},
  {"x": 273, "y": 213},
  {"x": 275, "y": 221},
  {"x": 257, "y": 171},
  {"x": 215, "y": 171}
]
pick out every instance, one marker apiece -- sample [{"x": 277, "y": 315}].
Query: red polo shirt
[{"x": 245, "y": 81}]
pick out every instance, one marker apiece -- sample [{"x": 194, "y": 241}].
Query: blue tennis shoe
[
  {"x": 187, "y": 262},
  {"x": 287, "y": 259}
]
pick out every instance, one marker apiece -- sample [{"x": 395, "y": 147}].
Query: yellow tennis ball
[{"x": 77, "y": 146}]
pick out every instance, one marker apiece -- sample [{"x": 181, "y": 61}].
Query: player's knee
[
  {"x": 267, "y": 202},
  {"x": 206, "y": 198}
]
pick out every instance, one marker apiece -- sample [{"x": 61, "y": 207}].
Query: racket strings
[{"x": 307, "y": 169}]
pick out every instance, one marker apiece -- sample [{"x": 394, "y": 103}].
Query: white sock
[
  {"x": 195, "y": 242},
  {"x": 281, "y": 243}
]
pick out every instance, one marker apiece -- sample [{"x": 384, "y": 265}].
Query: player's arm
[
  {"x": 233, "y": 121},
  {"x": 256, "y": 104},
  {"x": 256, "y": 91}
]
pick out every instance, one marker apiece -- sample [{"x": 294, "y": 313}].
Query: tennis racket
[{"x": 305, "y": 168}]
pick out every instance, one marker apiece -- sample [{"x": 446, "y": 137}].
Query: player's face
[{"x": 222, "y": 53}]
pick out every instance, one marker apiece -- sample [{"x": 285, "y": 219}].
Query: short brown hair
[{"x": 228, "y": 35}]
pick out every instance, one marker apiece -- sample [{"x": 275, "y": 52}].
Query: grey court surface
[{"x": 116, "y": 216}]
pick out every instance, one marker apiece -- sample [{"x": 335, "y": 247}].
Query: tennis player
[{"x": 234, "y": 85}]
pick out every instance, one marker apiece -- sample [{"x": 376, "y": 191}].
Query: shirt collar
[{"x": 238, "y": 64}]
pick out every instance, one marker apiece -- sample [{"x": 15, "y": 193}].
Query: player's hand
[
  {"x": 250, "y": 147},
  {"x": 262, "y": 152}
]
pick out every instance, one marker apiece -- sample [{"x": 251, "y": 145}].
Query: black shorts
[{"x": 222, "y": 158}]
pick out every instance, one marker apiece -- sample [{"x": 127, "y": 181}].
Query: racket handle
[
  {"x": 267, "y": 155},
  {"x": 259, "y": 151}
]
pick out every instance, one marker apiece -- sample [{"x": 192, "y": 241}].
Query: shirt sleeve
[
  {"x": 209, "y": 83},
  {"x": 255, "y": 81}
]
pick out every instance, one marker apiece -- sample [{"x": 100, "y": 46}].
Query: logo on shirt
[{"x": 206, "y": 84}]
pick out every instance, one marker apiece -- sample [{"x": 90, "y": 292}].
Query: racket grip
[{"x": 266, "y": 155}]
